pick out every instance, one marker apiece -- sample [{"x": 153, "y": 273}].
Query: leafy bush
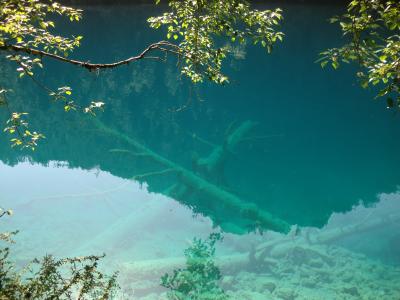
[{"x": 51, "y": 278}]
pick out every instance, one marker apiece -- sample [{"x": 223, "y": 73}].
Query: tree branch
[
  {"x": 163, "y": 46},
  {"x": 162, "y": 172}
]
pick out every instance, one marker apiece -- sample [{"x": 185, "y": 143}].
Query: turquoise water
[{"x": 317, "y": 153}]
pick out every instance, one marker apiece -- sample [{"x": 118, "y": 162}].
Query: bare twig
[
  {"x": 156, "y": 173},
  {"x": 128, "y": 152},
  {"x": 201, "y": 140},
  {"x": 260, "y": 137}
]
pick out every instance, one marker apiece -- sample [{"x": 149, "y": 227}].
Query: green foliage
[
  {"x": 199, "y": 280},
  {"x": 28, "y": 24},
  {"x": 51, "y": 278},
  {"x": 200, "y": 26},
  {"x": 372, "y": 29},
  {"x": 18, "y": 127}
]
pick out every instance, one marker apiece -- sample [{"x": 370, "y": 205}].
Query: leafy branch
[
  {"x": 163, "y": 46},
  {"x": 26, "y": 28},
  {"x": 17, "y": 126},
  {"x": 200, "y": 27},
  {"x": 372, "y": 31}
]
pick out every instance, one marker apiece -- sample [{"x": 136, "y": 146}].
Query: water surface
[{"x": 320, "y": 155}]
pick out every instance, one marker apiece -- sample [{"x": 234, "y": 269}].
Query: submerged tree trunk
[
  {"x": 190, "y": 181},
  {"x": 212, "y": 167}
]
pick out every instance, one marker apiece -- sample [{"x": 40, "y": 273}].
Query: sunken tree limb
[
  {"x": 207, "y": 189},
  {"x": 212, "y": 166}
]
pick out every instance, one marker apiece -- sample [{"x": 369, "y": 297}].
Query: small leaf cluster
[
  {"x": 201, "y": 26},
  {"x": 372, "y": 31},
  {"x": 6, "y": 236},
  {"x": 18, "y": 127},
  {"x": 23, "y": 137},
  {"x": 25, "y": 63},
  {"x": 199, "y": 280},
  {"x": 63, "y": 94},
  {"x": 93, "y": 107}
]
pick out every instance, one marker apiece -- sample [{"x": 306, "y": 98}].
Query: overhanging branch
[{"x": 163, "y": 46}]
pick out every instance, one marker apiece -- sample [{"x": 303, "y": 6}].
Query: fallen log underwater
[
  {"x": 308, "y": 249},
  {"x": 189, "y": 179},
  {"x": 193, "y": 181},
  {"x": 313, "y": 248}
]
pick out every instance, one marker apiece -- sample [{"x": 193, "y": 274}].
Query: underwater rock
[
  {"x": 323, "y": 275},
  {"x": 227, "y": 282},
  {"x": 286, "y": 294},
  {"x": 153, "y": 296},
  {"x": 346, "y": 277},
  {"x": 316, "y": 263},
  {"x": 288, "y": 270},
  {"x": 302, "y": 272},
  {"x": 249, "y": 295},
  {"x": 353, "y": 291},
  {"x": 394, "y": 249},
  {"x": 309, "y": 283},
  {"x": 270, "y": 286}
]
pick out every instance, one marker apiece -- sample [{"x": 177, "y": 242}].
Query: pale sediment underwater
[{"x": 295, "y": 168}]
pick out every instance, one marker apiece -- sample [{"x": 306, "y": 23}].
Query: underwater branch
[{"x": 191, "y": 180}]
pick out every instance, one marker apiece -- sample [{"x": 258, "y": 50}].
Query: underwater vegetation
[
  {"x": 292, "y": 270},
  {"x": 306, "y": 264},
  {"x": 200, "y": 279}
]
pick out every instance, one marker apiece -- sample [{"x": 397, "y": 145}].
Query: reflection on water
[{"x": 286, "y": 146}]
